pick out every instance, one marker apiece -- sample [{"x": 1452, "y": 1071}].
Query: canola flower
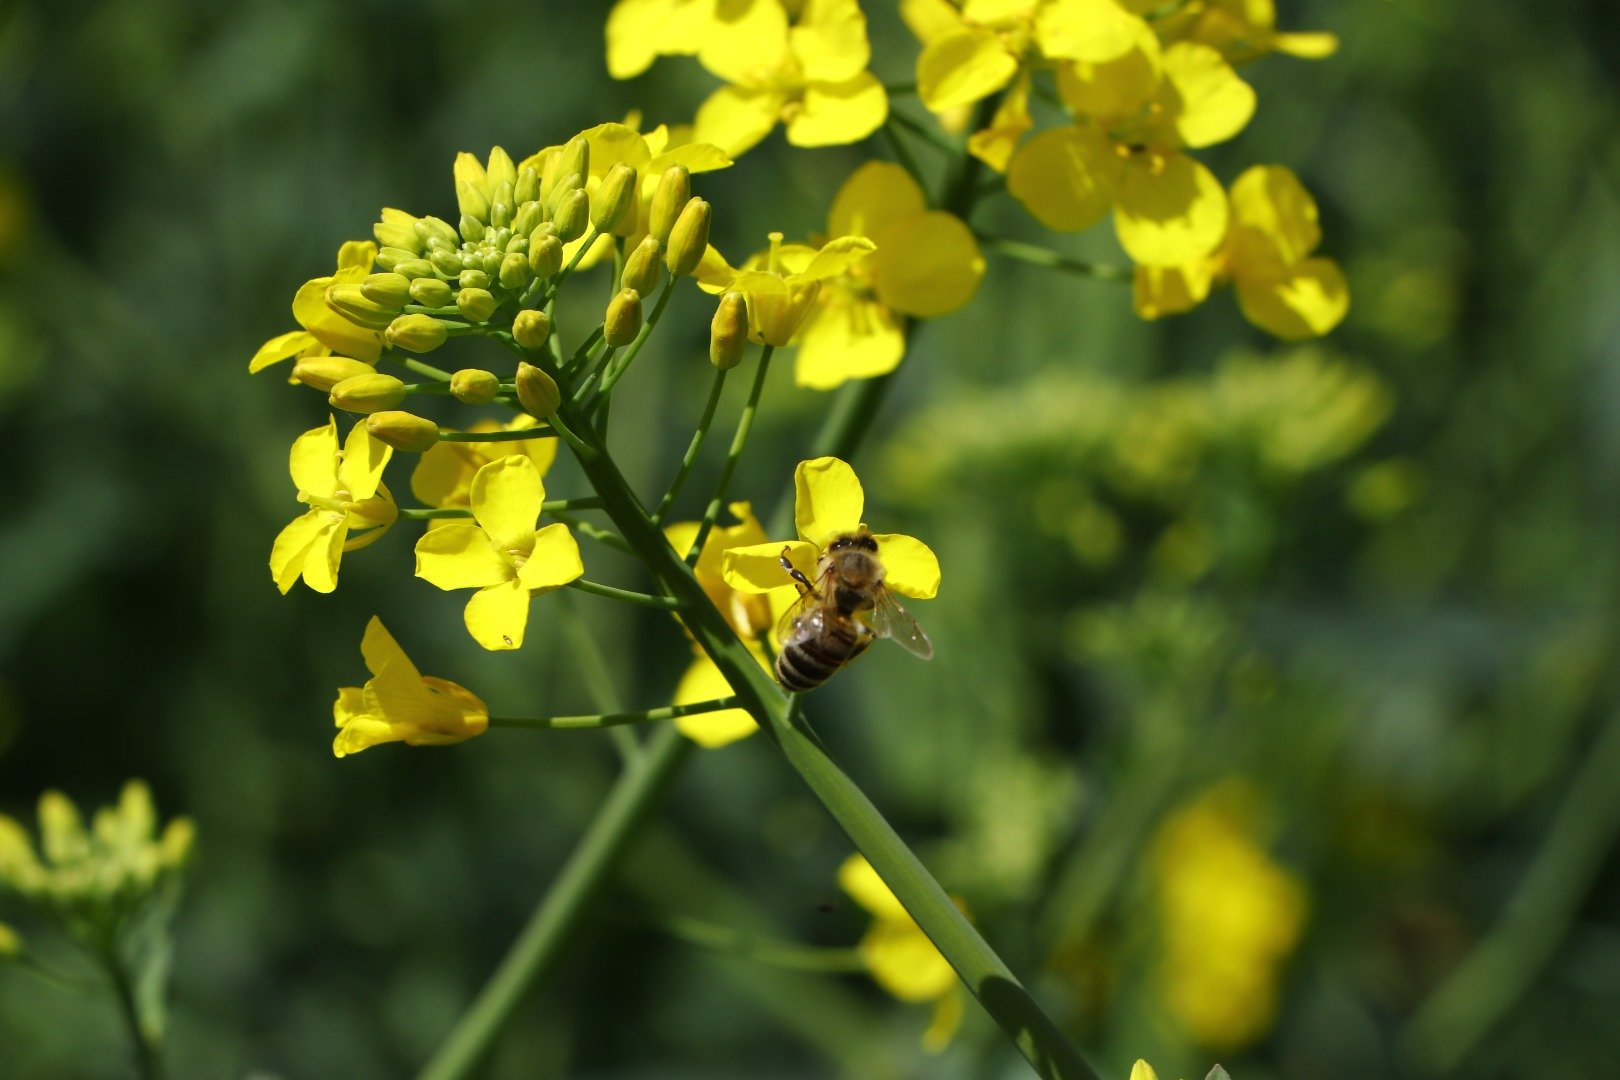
[
  {"x": 782, "y": 283},
  {"x": 346, "y": 495},
  {"x": 323, "y": 331},
  {"x": 399, "y": 704},
  {"x": 443, "y": 475},
  {"x": 1243, "y": 30}
]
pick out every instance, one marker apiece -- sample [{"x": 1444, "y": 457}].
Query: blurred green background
[{"x": 1322, "y": 638}]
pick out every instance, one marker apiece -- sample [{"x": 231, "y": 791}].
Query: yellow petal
[
  {"x": 347, "y": 705},
  {"x": 1114, "y": 91},
  {"x": 756, "y": 568},
  {"x": 633, "y": 36},
  {"x": 1205, "y": 99},
  {"x": 356, "y": 254},
  {"x": 460, "y": 556},
  {"x": 1067, "y": 177},
  {"x": 327, "y": 326},
  {"x": 736, "y": 118},
  {"x": 746, "y": 43},
  {"x": 697, "y": 157},
  {"x": 827, "y": 499},
  {"x": 926, "y": 265},
  {"x": 998, "y": 12},
  {"x": 286, "y": 346},
  {"x": 506, "y": 496},
  {"x": 554, "y": 560},
  {"x": 1274, "y": 220},
  {"x": 616, "y": 144},
  {"x": 947, "y": 1019},
  {"x": 829, "y": 41},
  {"x": 1171, "y": 210},
  {"x": 875, "y": 194},
  {"x": 703, "y": 682},
  {"x": 910, "y": 567},
  {"x": 292, "y": 545},
  {"x": 364, "y": 458},
  {"x": 363, "y": 732},
  {"x": 1090, "y": 30},
  {"x": 380, "y": 650},
  {"x": 469, "y": 170},
  {"x": 1170, "y": 290},
  {"x": 930, "y": 19},
  {"x": 1143, "y": 1071},
  {"x": 835, "y": 113},
  {"x": 857, "y": 878},
  {"x": 962, "y": 67},
  {"x": 314, "y": 460},
  {"x": 321, "y": 561},
  {"x": 904, "y": 962},
  {"x": 1305, "y": 301},
  {"x": 497, "y": 615},
  {"x": 847, "y": 337},
  {"x": 835, "y": 257},
  {"x": 994, "y": 145},
  {"x": 1311, "y": 45}
]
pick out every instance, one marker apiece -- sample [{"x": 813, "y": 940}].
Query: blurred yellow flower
[
  {"x": 899, "y": 955},
  {"x": 504, "y": 556},
  {"x": 444, "y": 474},
  {"x": 1133, "y": 117},
  {"x": 399, "y": 704},
  {"x": 806, "y": 70},
  {"x": 1266, "y": 255},
  {"x": 926, "y": 263},
  {"x": 781, "y": 284},
  {"x": 1243, "y": 30},
  {"x": 1230, "y": 917},
  {"x": 119, "y": 857},
  {"x": 640, "y": 31},
  {"x": 828, "y": 503},
  {"x": 345, "y": 493},
  {"x": 325, "y": 332}
]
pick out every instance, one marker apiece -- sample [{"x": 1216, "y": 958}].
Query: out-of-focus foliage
[{"x": 1369, "y": 585}]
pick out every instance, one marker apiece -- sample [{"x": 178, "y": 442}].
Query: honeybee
[{"x": 839, "y": 614}]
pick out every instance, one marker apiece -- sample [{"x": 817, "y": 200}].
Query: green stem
[
  {"x": 562, "y": 275},
  {"x": 589, "y": 381},
  {"x": 763, "y": 950},
  {"x": 690, "y": 458},
  {"x": 514, "y": 435},
  {"x": 745, "y": 424},
  {"x": 585, "y": 348},
  {"x": 592, "y": 532},
  {"x": 565, "y": 904},
  {"x": 617, "y": 719},
  {"x": 417, "y": 366},
  {"x": 663, "y": 603},
  {"x": 925, "y": 133},
  {"x": 550, "y": 506},
  {"x": 902, "y": 152},
  {"x": 148, "y": 1049},
  {"x": 592, "y": 667},
  {"x": 1052, "y": 260}
]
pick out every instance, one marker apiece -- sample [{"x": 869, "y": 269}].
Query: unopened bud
[
  {"x": 368, "y": 393},
  {"x": 501, "y": 207},
  {"x": 472, "y": 229},
  {"x": 390, "y": 257},
  {"x": 536, "y": 391},
  {"x": 349, "y": 302},
  {"x": 398, "y": 233},
  {"x": 527, "y": 217},
  {"x": 414, "y": 268},
  {"x": 447, "y": 262},
  {"x": 531, "y": 328},
  {"x": 473, "y": 279},
  {"x": 674, "y": 188},
  {"x": 575, "y": 158},
  {"x": 403, "y": 431},
  {"x": 728, "y": 331},
  {"x": 545, "y": 253},
  {"x": 623, "y": 320},
  {"x": 561, "y": 188},
  {"x": 688, "y": 239},
  {"x": 325, "y": 372},
  {"x": 431, "y": 228},
  {"x": 431, "y": 292},
  {"x": 392, "y": 291},
  {"x": 572, "y": 213},
  {"x": 614, "y": 197},
  {"x": 527, "y": 188},
  {"x": 642, "y": 268},
  {"x": 514, "y": 271},
  {"x": 474, "y": 386},
  {"x": 476, "y": 304},
  {"x": 416, "y": 333},
  {"x": 472, "y": 203}
]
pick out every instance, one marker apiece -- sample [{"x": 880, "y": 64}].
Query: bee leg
[{"x": 795, "y": 573}]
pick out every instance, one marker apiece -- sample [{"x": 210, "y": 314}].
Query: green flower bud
[
  {"x": 545, "y": 253},
  {"x": 531, "y": 328},
  {"x": 536, "y": 391},
  {"x": 397, "y": 234},
  {"x": 623, "y": 320},
  {"x": 614, "y": 197},
  {"x": 368, "y": 393},
  {"x": 497, "y": 237},
  {"x": 416, "y": 333},
  {"x": 519, "y": 244},
  {"x": 527, "y": 188},
  {"x": 390, "y": 257},
  {"x": 404, "y": 431},
  {"x": 527, "y": 217},
  {"x": 688, "y": 239},
  {"x": 575, "y": 159},
  {"x": 571, "y": 216},
  {"x": 432, "y": 228},
  {"x": 514, "y": 271},
  {"x": 472, "y": 229},
  {"x": 674, "y": 188},
  {"x": 501, "y": 206},
  {"x": 474, "y": 386},
  {"x": 490, "y": 261},
  {"x": 642, "y": 269},
  {"x": 560, "y": 190},
  {"x": 476, "y": 304},
  {"x": 473, "y": 279},
  {"x": 391, "y": 291},
  {"x": 431, "y": 292},
  {"x": 325, "y": 372},
  {"x": 728, "y": 331},
  {"x": 414, "y": 268},
  {"x": 349, "y": 302},
  {"x": 472, "y": 203},
  {"x": 447, "y": 263}
]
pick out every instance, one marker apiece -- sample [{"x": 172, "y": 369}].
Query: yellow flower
[
  {"x": 504, "y": 556},
  {"x": 1244, "y": 30},
  {"x": 899, "y": 955},
  {"x": 444, "y": 474},
  {"x": 781, "y": 284},
  {"x": 325, "y": 332},
  {"x": 1133, "y": 116},
  {"x": 345, "y": 492},
  {"x": 118, "y": 856},
  {"x": 640, "y": 31},
  {"x": 828, "y": 503},
  {"x": 1230, "y": 917},
  {"x": 808, "y": 73},
  {"x": 1267, "y": 258},
  {"x": 399, "y": 704},
  {"x": 926, "y": 263}
]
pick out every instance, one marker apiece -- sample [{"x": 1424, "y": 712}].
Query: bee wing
[
  {"x": 890, "y": 620},
  {"x": 804, "y": 605}
]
